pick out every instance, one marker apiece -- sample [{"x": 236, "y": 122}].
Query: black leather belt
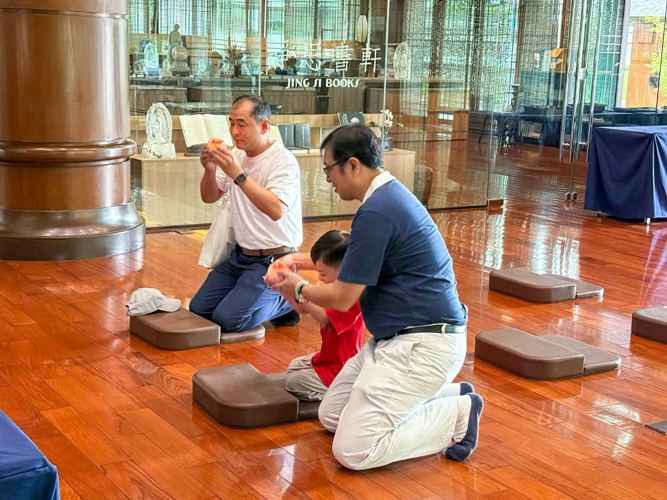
[
  {"x": 436, "y": 328},
  {"x": 268, "y": 251}
]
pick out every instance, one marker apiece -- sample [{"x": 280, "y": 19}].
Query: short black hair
[
  {"x": 260, "y": 110},
  {"x": 355, "y": 140},
  {"x": 330, "y": 247}
]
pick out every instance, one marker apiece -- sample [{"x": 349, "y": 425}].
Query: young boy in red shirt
[{"x": 309, "y": 377}]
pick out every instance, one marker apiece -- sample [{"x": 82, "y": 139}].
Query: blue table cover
[
  {"x": 627, "y": 172},
  {"x": 25, "y": 473}
]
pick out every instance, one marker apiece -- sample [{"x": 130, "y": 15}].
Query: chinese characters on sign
[
  {"x": 369, "y": 55},
  {"x": 313, "y": 54},
  {"x": 342, "y": 55}
]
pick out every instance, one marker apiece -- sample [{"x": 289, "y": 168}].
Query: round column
[{"x": 64, "y": 131}]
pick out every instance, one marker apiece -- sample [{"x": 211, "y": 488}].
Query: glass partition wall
[
  {"x": 403, "y": 66},
  {"x": 447, "y": 83}
]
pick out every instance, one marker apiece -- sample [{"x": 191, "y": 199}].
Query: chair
[{"x": 423, "y": 183}]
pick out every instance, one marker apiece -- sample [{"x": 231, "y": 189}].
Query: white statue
[
  {"x": 175, "y": 40},
  {"x": 179, "y": 66},
  {"x": 158, "y": 133},
  {"x": 150, "y": 56},
  {"x": 165, "y": 74},
  {"x": 402, "y": 61}
]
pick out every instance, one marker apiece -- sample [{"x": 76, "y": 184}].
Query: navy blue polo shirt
[{"x": 397, "y": 251}]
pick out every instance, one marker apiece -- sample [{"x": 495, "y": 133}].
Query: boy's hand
[
  {"x": 288, "y": 262},
  {"x": 284, "y": 281},
  {"x": 272, "y": 276}
]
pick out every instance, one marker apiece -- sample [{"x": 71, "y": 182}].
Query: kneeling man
[
  {"x": 395, "y": 399},
  {"x": 265, "y": 197}
]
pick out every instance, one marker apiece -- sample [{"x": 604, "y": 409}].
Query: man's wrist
[
  {"x": 241, "y": 178},
  {"x": 298, "y": 291}
]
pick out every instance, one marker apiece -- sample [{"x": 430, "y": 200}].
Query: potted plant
[
  {"x": 385, "y": 126},
  {"x": 235, "y": 56}
]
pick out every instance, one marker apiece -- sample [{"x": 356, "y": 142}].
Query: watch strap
[
  {"x": 298, "y": 291},
  {"x": 241, "y": 178}
]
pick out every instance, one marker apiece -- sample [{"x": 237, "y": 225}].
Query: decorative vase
[{"x": 388, "y": 143}]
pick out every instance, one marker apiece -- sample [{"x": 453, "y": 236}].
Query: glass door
[
  {"x": 575, "y": 128},
  {"x": 615, "y": 56}
]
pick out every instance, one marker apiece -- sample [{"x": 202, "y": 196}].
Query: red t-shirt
[{"x": 341, "y": 339}]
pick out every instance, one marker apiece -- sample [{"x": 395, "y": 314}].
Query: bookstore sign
[{"x": 322, "y": 82}]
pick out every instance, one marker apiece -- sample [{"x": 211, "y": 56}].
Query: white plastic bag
[{"x": 220, "y": 240}]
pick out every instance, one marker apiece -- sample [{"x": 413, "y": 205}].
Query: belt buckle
[{"x": 455, "y": 328}]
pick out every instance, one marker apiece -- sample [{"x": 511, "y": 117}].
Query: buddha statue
[{"x": 158, "y": 133}]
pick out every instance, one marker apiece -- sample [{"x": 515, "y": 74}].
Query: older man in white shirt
[{"x": 265, "y": 201}]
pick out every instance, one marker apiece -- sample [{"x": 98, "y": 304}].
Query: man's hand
[
  {"x": 287, "y": 261},
  {"x": 283, "y": 280},
  {"x": 272, "y": 276},
  {"x": 223, "y": 157},
  {"x": 207, "y": 161},
  {"x": 297, "y": 261},
  {"x": 208, "y": 187}
]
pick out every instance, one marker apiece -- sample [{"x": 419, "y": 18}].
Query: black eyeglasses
[{"x": 327, "y": 168}]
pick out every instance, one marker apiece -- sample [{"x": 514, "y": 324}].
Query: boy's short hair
[{"x": 330, "y": 248}]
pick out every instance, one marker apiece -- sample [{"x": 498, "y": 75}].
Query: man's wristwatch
[
  {"x": 298, "y": 291},
  {"x": 241, "y": 178}
]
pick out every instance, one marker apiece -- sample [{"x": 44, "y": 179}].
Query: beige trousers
[
  {"x": 390, "y": 402},
  {"x": 303, "y": 381}
]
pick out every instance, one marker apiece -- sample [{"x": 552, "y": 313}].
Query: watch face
[{"x": 241, "y": 178}]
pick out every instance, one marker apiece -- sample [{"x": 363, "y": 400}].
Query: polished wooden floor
[{"x": 115, "y": 415}]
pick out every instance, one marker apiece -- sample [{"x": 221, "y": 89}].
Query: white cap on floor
[{"x": 148, "y": 300}]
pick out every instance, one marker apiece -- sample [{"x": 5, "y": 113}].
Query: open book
[
  {"x": 199, "y": 129},
  {"x": 274, "y": 133}
]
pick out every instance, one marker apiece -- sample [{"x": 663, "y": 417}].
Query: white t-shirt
[{"x": 277, "y": 170}]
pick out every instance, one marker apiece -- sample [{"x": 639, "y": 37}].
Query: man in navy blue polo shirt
[{"x": 395, "y": 399}]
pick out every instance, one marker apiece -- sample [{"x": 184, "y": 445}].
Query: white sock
[
  {"x": 465, "y": 406},
  {"x": 452, "y": 390}
]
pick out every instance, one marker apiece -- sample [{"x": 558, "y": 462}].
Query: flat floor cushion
[
  {"x": 241, "y": 396},
  {"x": 175, "y": 331},
  {"x": 596, "y": 360},
  {"x": 544, "y": 288},
  {"x": 543, "y": 357},
  {"x": 651, "y": 323},
  {"x": 527, "y": 355},
  {"x": 584, "y": 289},
  {"x": 253, "y": 334}
]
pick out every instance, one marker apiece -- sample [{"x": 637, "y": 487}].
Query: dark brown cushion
[
  {"x": 584, "y": 290},
  {"x": 241, "y": 396},
  {"x": 651, "y": 323},
  {"x": 531, "y": 286},
  {"x": 528, "y": 355},
  {"x": 175, "y": 331},
  {"x": 596, "y": 360}
]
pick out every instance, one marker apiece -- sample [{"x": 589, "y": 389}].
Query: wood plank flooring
[{"x": 116, "y": 417}]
